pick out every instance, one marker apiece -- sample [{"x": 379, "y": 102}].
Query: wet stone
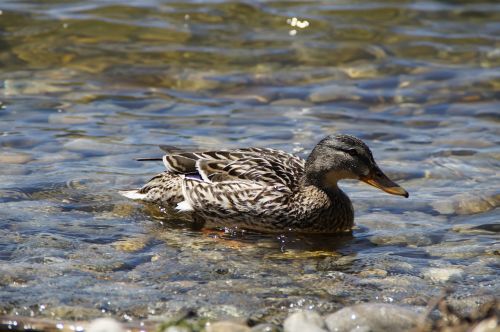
[
  {"x": 90, "y": 146},
  {"x": 304, "y": 320},
  {"x": 336, "y": 263},
  {"x": 373, "y": 273},
  {"x": 74, "y": 312},
  {"x": 105, "y": 325},
  {"x": 331, "y": 93},
  {"x": 177, "y": 329},
  {"x": 265, "y": 328},
  {"x": 374, "y": 317},
  {"x": 404, "y": 285},
  {"x": 443, "y": 274},
  {"x": 15, "y": 158},
  {"x": 226, "y": 327},
  {"x": 131, "y": 244},
  {"x": 467, "y": 305},
  {"x": 468, "y": 203},
  {"x": 122, "y": 210},
  {"x": 291, "y": 102},
  {"x": 450, "y": 250},
  {"x": 416, "y": 240},
  {"x": 487, "y": 325},
  {"x": 68, "y": 118}
]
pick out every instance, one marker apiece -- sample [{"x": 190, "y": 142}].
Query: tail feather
[
  {"x": 132, "y": 194},
  {"x": 163, "y": 189},
  {"x": 184, "y": 206}
]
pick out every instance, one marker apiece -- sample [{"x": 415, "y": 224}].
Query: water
[{"x": 87, "y": 86}]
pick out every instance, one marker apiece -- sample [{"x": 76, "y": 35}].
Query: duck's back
[
  {"x": 251, "y": 164},
  {"x": 222, "y": 169}
]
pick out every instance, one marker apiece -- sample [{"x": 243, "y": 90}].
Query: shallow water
[{"x": 87, "y": 86}]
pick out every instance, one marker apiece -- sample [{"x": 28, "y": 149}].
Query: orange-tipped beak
[{"x": 379, "y": 180}]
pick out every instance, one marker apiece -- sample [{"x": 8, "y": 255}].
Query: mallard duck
[{"x": 265, "y": 189}]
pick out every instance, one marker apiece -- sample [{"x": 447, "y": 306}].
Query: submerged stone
[
  {"x": 105, "y": 325},
  {"x": 443, "y": 274},
  {"x": 15, "y": 158},
  {"x": 373, "y": 317},
  {"x": 226, "y": 326},
  {"x": 468, "y": 203},
  {"x": 304, "y": 320}
]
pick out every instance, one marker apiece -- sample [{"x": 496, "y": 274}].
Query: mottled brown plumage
[{"x": 266, "y": 189}]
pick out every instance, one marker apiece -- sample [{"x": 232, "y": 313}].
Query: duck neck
[
  {"x": 327, "y": 182},
  {"x": 339, "y": 214}
]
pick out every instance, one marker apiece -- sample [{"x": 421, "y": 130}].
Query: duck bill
[{"x": 379, "y": 180}]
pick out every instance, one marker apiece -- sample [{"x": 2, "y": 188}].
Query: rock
[
  {"x": 131, "y": 244},
  {"x": 468, "y": 306},
  {"x": 443, "y": 274},
  {"x": 336, "y": 263},
  {"x": 487, "y": 325},
  {"x": 265, "y": 328},
  {"x": 291, "y": 102},
  {"x": 468, "y": 203},
  {"x": 177, "y": 329},
  {"x": 304, "y": 320},
  {"x": 15, "y": 158},
  {"x": 373, "y": 273},
  {"x": 335, "y": 92},
  {"x": 397, "y": 238},
  {"x": 71, "y": 119},
  {"x": 373, "y": 317},
  {"x": 468, "y": 249},
  {"x": 90, "y": 147},
  {"x": 226, "y": 327},
  {"x": 105, "y": 325}
]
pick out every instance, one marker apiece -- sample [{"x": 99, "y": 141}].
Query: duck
[{"x": 264, "y": 189}]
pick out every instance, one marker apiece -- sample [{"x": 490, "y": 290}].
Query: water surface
[{"x": 87, "y": 86}]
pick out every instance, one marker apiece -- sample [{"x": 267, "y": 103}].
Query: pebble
[
  {"x": 105, "y": 325},
  {"x": 63, "y": 118},
  {"x": 74, "y": 312},
  {"x": 443, "y": 274},
  {"x": 411, "y": 240},
  {"x": 336, "y": 263},
  {"x": 131, "y": 244},
  {"x": 177, "y": 329},
  {"x": 466, "y": 306},
  {"x": 15, "y": 158},
  {"x": 265, "y": 328},
  {"x": 468, "y": 203},
  {"x": 90, "y": 146},
  {"x": 487, "y": 325},
  {"x": 329, "y": 93},
  {"x": 449, "y": 250},
  {"x": 226, "y": 327},
  {"x": 373, "y": 317},
  {"x": 373, "y": 273},
  {"x": 291, "y": 102},
  {"x": 304, "y": 320}
]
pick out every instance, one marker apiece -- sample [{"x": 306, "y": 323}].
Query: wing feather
[
  {"x": 255, "y": 164},
  {"x": 233, "y": 198}
]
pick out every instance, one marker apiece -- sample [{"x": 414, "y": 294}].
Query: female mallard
[{"x": 267, "y": 189}]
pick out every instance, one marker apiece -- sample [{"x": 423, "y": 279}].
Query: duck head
[{"x": 338, "y": 157}]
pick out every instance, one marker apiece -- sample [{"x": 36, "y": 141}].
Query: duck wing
[
  {"x": 253, "y": 164},
  {"x": 267, "y": 170},
  {"x": 185, "y": 162},
  {"x": 230, "y": 199},
  {"x": 258, "y": 182}
]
